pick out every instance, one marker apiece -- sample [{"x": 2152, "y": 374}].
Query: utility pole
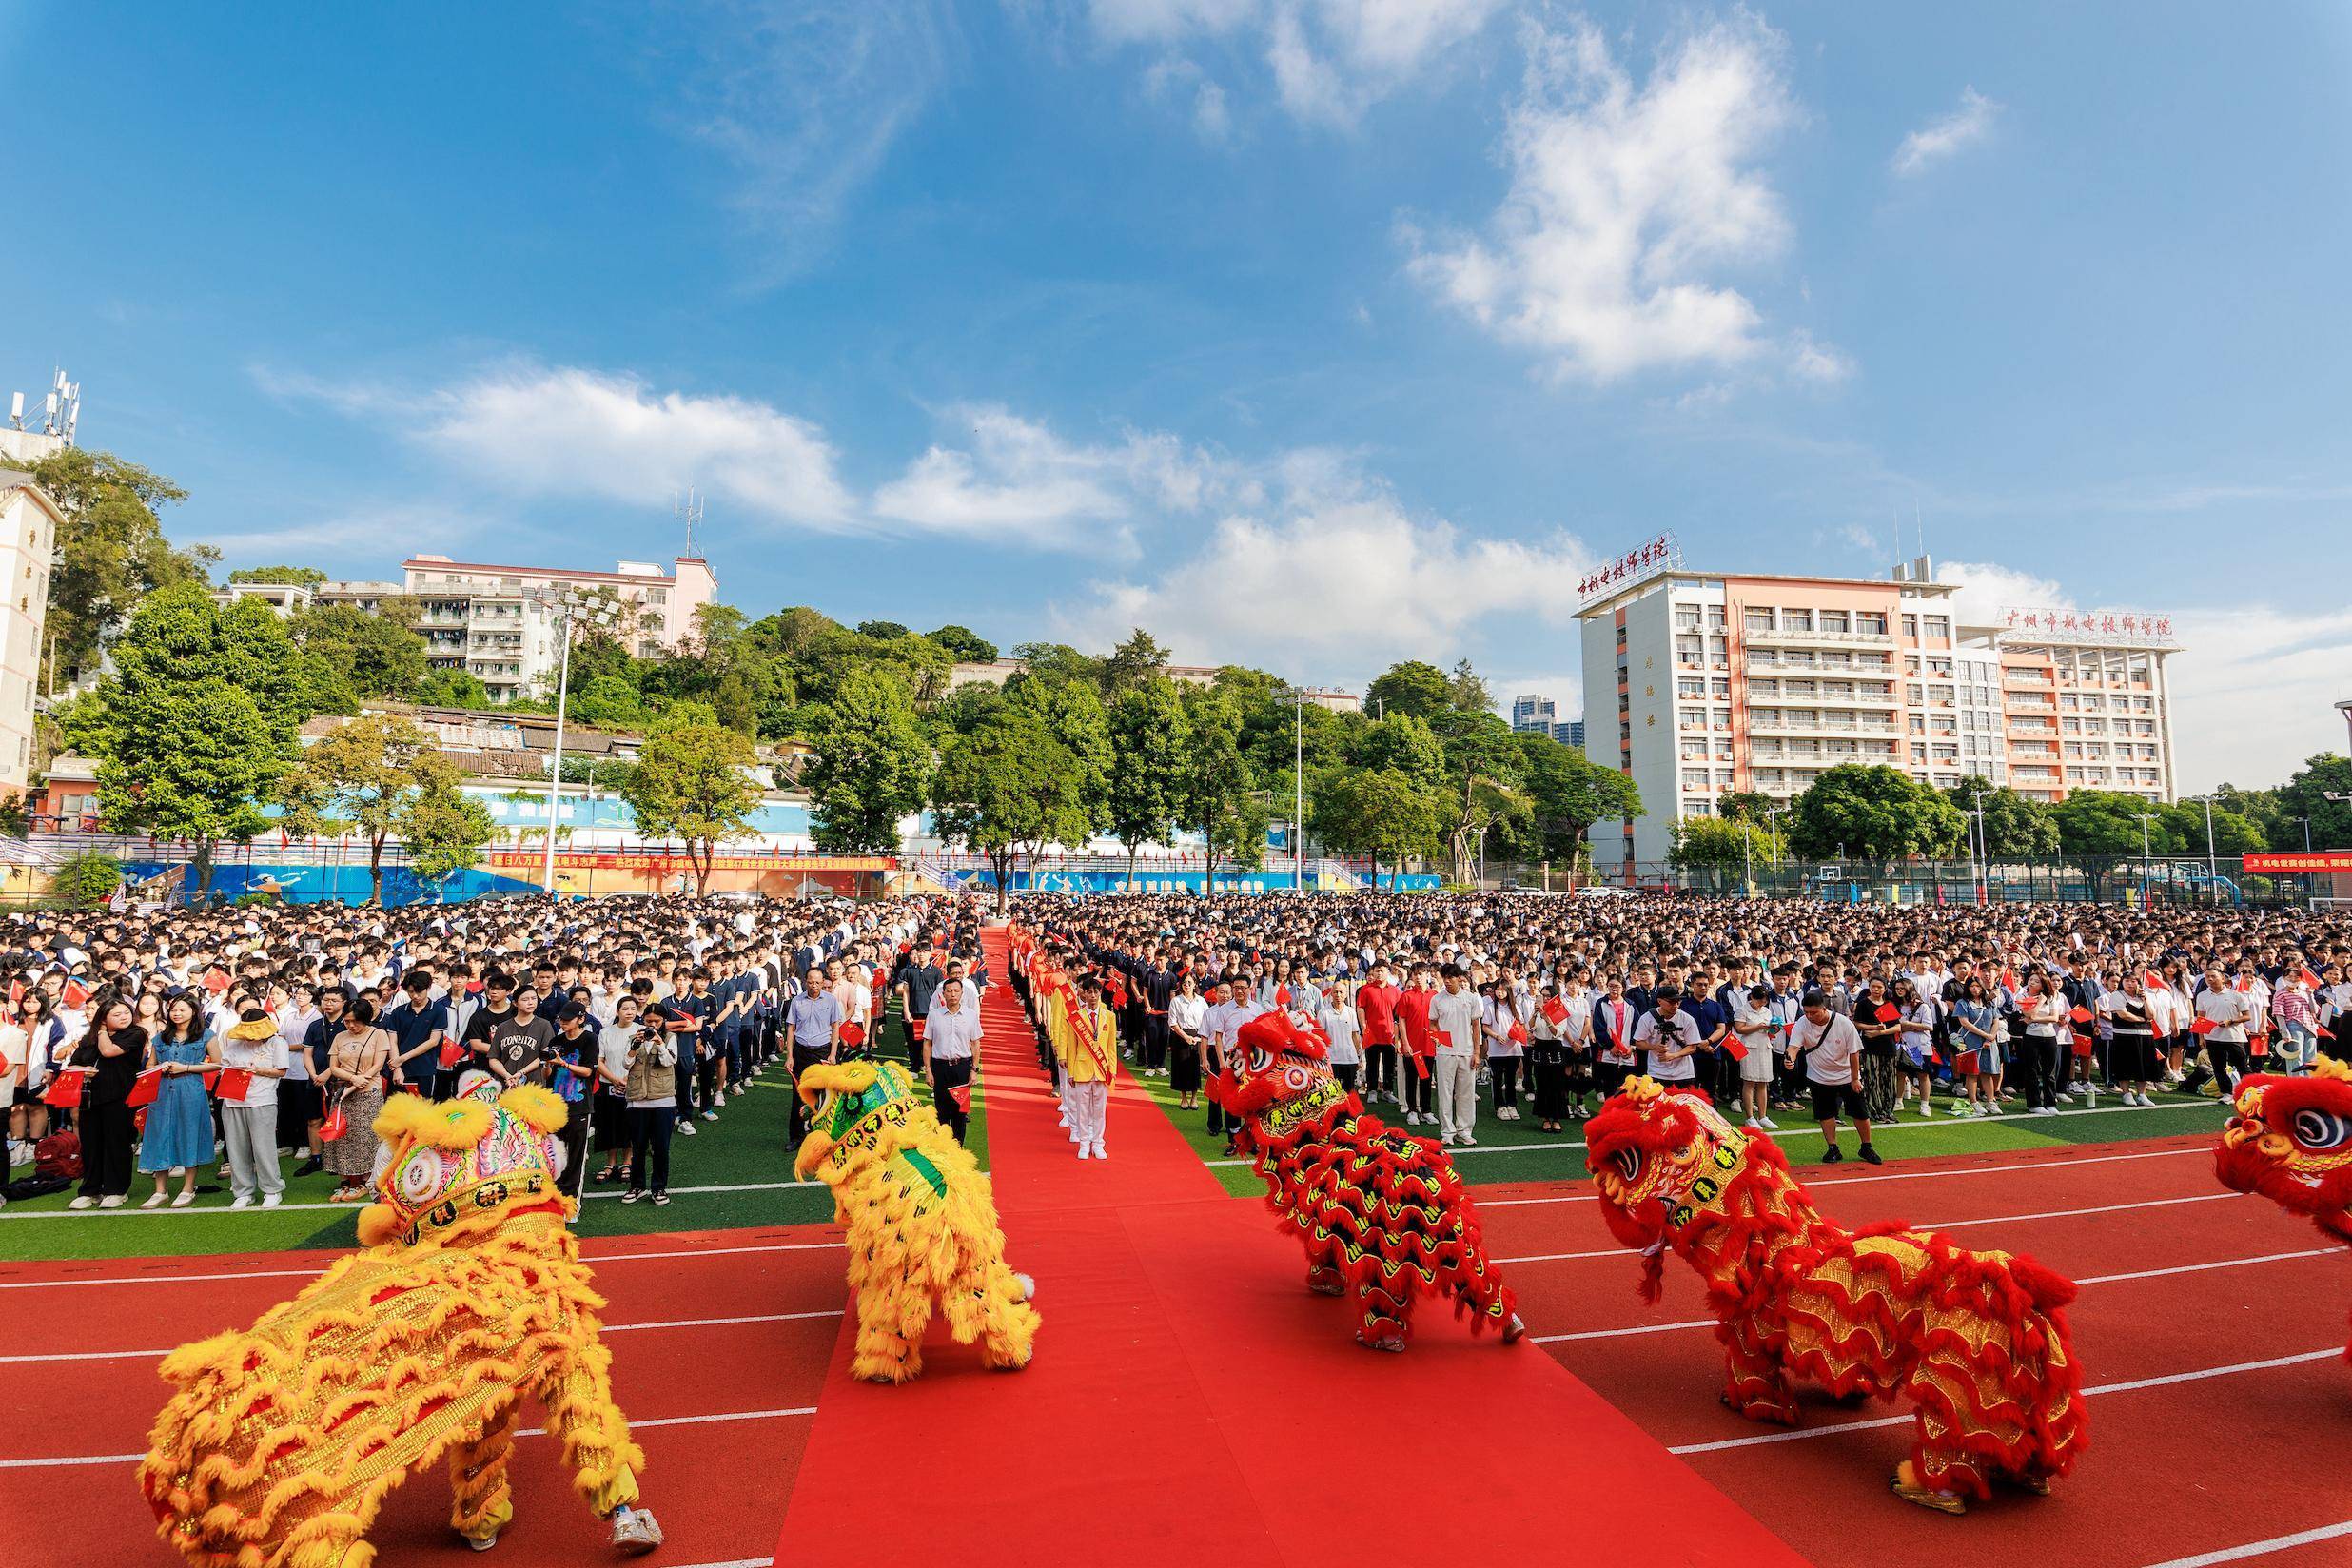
[
  {"x": 566, "y": 609},
  {"x": 2146, "y": 818},
  {"x": 1298, "y": 790}
]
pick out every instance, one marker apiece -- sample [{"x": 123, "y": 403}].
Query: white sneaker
[
  {"x": 1086, "y": 1152},
  {"x": 1467, "y": 1141},
  {"x": 115, "y": 1202},
  {"x": 1771, "y": 1126},
  {"x": 85, "y": 1201},
  {"x": 156, "y": 1201},
  {"x": 246, "y": 1202},
  {"x": 271, "y": 1199},
  {"x": 2064, "y": 1098},
  {"x": 1752, "y": 1125},
  {"x": 687, "y": 1127},
  {"x": 1099, "y": 1152}
]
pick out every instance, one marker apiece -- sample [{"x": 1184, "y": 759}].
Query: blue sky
[{"x": 1309, "y": 333}]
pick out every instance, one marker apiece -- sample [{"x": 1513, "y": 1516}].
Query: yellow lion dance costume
[
  {"x": 921, "y": 1222},
  {"x": 284, "y": 1440},
  {"x": 1976, "y": 1341}
]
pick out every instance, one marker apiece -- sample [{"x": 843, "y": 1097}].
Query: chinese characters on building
[
  {"x": 1658, "y": 555},
  {"x": 2090, "y": 625}
]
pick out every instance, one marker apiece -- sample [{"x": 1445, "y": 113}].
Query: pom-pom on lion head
[
  {"x": 2291, "y": 1142},
  {"x": 1277, "y": 1072},
  {"x": 1655, "y": 1153},
  {"x": 453, "y": 1171},
  {"x": 854, "y": 1108}
]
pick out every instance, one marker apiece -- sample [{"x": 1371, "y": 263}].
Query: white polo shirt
[{"x": 950, "y": 1036}]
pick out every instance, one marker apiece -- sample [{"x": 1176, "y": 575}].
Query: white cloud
[
  {"x": 1332, "y": 578},
  {"x": 1176, "y": 79},
  {"x": 1330, "y": 60},
  {"x": 1628, "y": 203},
  {"x": 1987, "y": 590},
  {"x": 1014, "y": 481},
  {"x": 803, "y": 99},
  {"x": 1817, "y": 361},
  {"x": 1940, "y": 138},
  {"x": 564, "y": 431}
]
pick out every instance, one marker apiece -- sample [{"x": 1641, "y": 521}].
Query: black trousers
[
  {"x": 1419, "y": 1086},
  {"x": 1380, "y": 1070},
  {"x": 106, "y": 1134},
  {"x": 1346, "y": 1073},
  {"x": 1550, "y": 1085},
  {"x": 1506, "y": 1080},
  {"x": 2038, "y": 1056},
  {"x": 578, "y": 1116},
  {"x": 1155, "y": 1040},
  {"x": 649, "y": 1147},
  {"x": 947, "y": 1075},
  {"x": 804, "y": 1057}
]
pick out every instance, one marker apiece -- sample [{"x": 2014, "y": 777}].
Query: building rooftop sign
[
  {"x": 2127, "y": 628},
  {"x": 1660, "y": 554}
]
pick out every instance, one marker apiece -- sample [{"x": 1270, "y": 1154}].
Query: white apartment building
[
  {"x": 28, "y": 525},
  {"x": 482, "y": 618}
]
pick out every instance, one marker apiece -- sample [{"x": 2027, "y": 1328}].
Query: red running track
[{"x": 1191, "y": 1402}]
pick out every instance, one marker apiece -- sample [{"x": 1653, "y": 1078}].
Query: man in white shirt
[
  {"x": 950, "y": 1035},
  {"x": 1832, "y": 1050},
  {"x": 1670, "y": 1036},
  {"x": 1456, "y": 1016}
]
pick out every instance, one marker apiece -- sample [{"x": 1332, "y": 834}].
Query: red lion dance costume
[
  {"x": 1382, "y": 1212},
  {"x": 2291, "y": 1142},
  {"x": 1976, "y": 1341}
]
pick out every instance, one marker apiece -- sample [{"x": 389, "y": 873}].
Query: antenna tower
[{"x": 687, "y": 509}]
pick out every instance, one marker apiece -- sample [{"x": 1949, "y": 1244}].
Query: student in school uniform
[{"x": 1089, "y": 1061}]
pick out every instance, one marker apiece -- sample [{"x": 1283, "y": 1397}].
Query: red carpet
[{"x": 1191, "y": 1402}]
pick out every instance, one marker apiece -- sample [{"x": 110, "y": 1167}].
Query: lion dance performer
[
  {"x": 921, "y": 1224},
  {"x": 2291, "y": 1143},
  {"x": 284, "y": 1439},
  {"x": 1383, "y": 1215},
  {"x": 1976, "y": 1341}
]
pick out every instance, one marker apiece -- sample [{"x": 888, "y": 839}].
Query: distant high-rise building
[
  {"x": 1570, "y": 733},
  {"x": 1534, "y": 712}
]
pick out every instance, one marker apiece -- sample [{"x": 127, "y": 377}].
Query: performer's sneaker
[
  {"x": 1390, "y": 1342},
  {"x": 639, "y": 1533},
  {"x": 483, "y": 1543},
  {"x": 1515, "y": 1330},
  {"x": 1903, "y": 1484}
]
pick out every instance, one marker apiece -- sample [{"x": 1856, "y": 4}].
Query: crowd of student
[
  {"x": 1857, "y": 1014},
  {"x": 205, "y": 1047}
]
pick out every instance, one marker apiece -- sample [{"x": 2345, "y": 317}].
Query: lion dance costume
[
  {"x": 2291, "y": 1142},
  {"x": 1383, "y": 1215},
  {"x": 922, "y": 1225},
  {"x": 1976, "y": 1341},
  {"x": 284, "y": 1439}
]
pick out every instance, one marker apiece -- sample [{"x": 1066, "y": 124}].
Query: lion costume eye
[
  {"x": 1259, "y": 1059},
  {"x": 420, "y": 1177},
  {"x": 2321, "y": 1131},
  {"x": 1628, "y": 1164}
]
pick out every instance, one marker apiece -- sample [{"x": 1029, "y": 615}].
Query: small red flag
[
  {"x": 236, "y": 1083},
  {"x": 216, "y": 979},
  {"x": 1889, "y": 1012},
  {"x": 2203, "y": 1025},
  {"x": 145, "y": 1088},
  {"x": 2081, "y": 1015},
  {"x": 74, "y": 994},
  {"x": 64, "y": 1091},
  {"x": 1735, "y": 1047},
  {"x": 1554, "y": 1008},
  {"x": 1518, "y": 1033},
  {"x": 1967, "y": 1063}
]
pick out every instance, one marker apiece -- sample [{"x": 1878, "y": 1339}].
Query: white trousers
[
  {"x": 252, "y": 1134},
  {"x": 1089, "y": 1104},
  {"x": 1457, "y": 1094}
]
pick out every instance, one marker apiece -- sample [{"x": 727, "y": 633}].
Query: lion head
[
  {"x": 1278, "y": 1074},
  {"x": 451, "y": 1171},
  {"x": 854, "y": 1106},
  {"x": 2292, "y": 1141},
  {"x": 1653, "y": 1154}
]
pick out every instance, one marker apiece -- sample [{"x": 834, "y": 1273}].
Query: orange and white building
[{"x": 1723, "y": 682}]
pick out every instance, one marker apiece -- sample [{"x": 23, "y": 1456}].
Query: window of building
[
  {"x": 1715, "y": 618},
  {"x": 1796, "y": 620},
  {"x": 1720, "y": 689},
  {"x": 1690, "y": 686},
  {"x": 1686, "y": 650},
  {"x": 1686, "y": 617},
  {"x": 1938, "y": 626},
  {"x": 1911, "y": 626},
  {"x": 1837, "y": 620},
  {"x": 1871, "y": 621},
  {"x": 1757, "y": 621},
  {"x": 1941, "y": 695}
]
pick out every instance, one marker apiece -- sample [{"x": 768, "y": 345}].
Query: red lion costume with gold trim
[
  {"x": 1976, "y": 1341},
  {"x": 1384, "y": 1216},
  {"x": 2291, "y": 1142}
]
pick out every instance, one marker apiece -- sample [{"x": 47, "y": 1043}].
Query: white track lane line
[
  {"x": 182, "y": 1215},
  {"x": 314, "y": 1273},
  {"x": 1894, "y": 1175},
  {"x": 2165, "y": 1380},
  {"x": 1935, "y": 1225},
  {"x": 526, "y": 1432},
  {"x": 2093, "y": 1279},
  {"x": 609, "y": 1328},
  {"x": 2258, "y": 1548}
]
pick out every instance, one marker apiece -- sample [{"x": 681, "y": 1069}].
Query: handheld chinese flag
[
  {"x": 1421, "y": 1066},
  {"x": 2203, "y": 1025},
  {"x": 1518, "y": 1034},
  {"x": 74, "y": 994},
  {"x": 1735, "y": 1047},
  {"x": 64, "y": 1091},
  {"x": 1554, "y": 1008},
  {"x": 1281, "y": 996},
  {"x": 2081, "y": 1015},
  {"x": 16, "y": 993},
  {"x": 335, "y": 1125},
  {"x": 2084, "y": 1044},
  {"x": 449, "y": 1055},
  {"x": 1966, "y": 1063},
  {"x": 145, "y": 1088},
  {"x": 961, "y": 1095},
  {"x": 2151, "y": 980},
  {"x": 236, "y": 1083},
  {"x": 216, "y": 979},
  {"x": 1889, "y": 1012},
  {"x": 2258, "y": 1044},
  {"x": 852, "y": 1034}
]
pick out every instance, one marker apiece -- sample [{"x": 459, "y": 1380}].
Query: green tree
[
  {"x": 1467, "y": 690},
  {"x": 1412, "y": 687},
  {"x": 445, "y": 688},
  {"x": 1149, "y": 738},
  {"x": 2305, "y": 795},
  {"x": 2100, "y": 828},
  {"x": 304, "y": 576},
  {"x": 441, "y": 827},
  {"x": 609, "y": 702},
  {"x": 110, "y": 551},
  {"x": 1137, "y": 659},
  {"x": 1716, "y": 845},
  {"x": 202, "y": 713},
  {"x": 2232, "y": 834},
  {"x": 1485, "y": 773},
  {"x": 1217, "y": 793},
  {"x": 87, "y": 878},
  {"x": 692, "y": 783},
  {"x": 1057, "y": 661},
  {"x": 1008, "y": 789},
  {"x": 2015, "y": 827},
  {"x": 378, "y": 656},
  {"x": 84, "y": 726},
  {"x": 1568, "y": 791},
  {"x": 871, "y": 767},
  {"x": 1383, "y": 812},
  {"x": 1743, "y": 806},
  {"x": 1875, "y": 812},
  {"x": 356, "y": 779},
  {"x": 1072, "y": 714},
  {"x": 1401, "y": 743},
  {"x": 965, "y": 645},
  {"x": 887, "y": 631}
]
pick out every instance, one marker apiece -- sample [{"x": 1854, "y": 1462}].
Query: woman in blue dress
[{"x": 179, "y": 1123}]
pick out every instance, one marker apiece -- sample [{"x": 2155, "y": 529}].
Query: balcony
[
  {"x": 1783, "y": 724},
  {"x": 1834, "y": 694},
  {"x": 1784, "y": 637}
]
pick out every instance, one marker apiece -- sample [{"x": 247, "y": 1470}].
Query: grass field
[{"x": 734, "y": 1173}]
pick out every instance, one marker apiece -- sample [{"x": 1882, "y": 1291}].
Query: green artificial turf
[{"x": 745, "y": 1149}]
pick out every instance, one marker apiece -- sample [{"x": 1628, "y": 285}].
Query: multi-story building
[
  {"x": 1762, "y": 683},
  {"x": 28, "y": 525},
  {"x": 486, "y": 620},
  {"x": 1538, "y": 714},
  {"x": 1570, "y": 733}
]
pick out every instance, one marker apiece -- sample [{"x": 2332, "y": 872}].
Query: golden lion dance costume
[
  {"x": 2291, "y": 1143},
  {"x": 284, "y": 1439},
  {"x": 1976, "y": 1341},
  {"x": 1383, "y": 1213},
  {"x": 921, "y": 1221}
]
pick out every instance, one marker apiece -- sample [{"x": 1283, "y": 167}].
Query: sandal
[{"x": 183, "y": 1200}]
